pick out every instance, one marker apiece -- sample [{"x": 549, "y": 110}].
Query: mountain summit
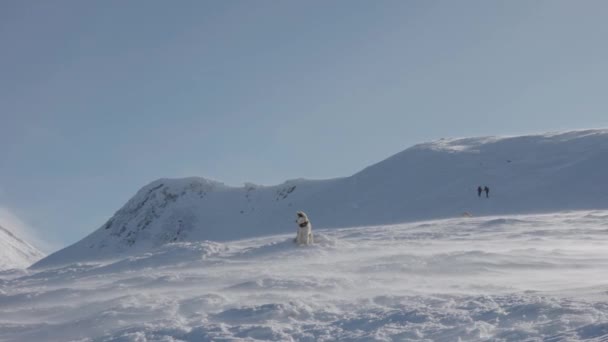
[{"x": 525, "y": 174}]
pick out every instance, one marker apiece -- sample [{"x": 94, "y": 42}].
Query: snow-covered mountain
[
  {"x": 15, "y": 252},
  {"x": 534, "y": 173}
]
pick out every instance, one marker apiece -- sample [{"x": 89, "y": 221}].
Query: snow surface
[
  {"x": 15, "y": 252},
  {"x": 501, "y": 278},
  {"x": 527, "y": 174}
]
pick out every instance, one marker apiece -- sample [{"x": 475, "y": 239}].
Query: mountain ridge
[
  {"x": 15, "y": 252},
  {"x": 531, "y": 173}
]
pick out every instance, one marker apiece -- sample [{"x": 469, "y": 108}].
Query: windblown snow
[
  {"x": 404, "y": 250},
  {"x": 526, "y": 174},
  {"x": 15, "y": 252},
  {"x": 502, "y": 278}
]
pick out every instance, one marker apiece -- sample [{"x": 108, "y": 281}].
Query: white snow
[
  {"x": 15, "y": 252},
  {"x": 393, "y": 260},
  {"x": 527, "y": 174},
  {"x": 501, "y": 278}
]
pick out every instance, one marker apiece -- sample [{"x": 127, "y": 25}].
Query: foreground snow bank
[{"x": 475, "y": 279}]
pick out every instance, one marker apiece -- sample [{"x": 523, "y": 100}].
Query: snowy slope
[
  {"x": 505, "y": 278},
  {"x": 526, "y": 174},
  {"x": 15, "y": 252}
]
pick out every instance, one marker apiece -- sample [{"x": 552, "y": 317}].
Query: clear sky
[{"x": 98, "y": 98}]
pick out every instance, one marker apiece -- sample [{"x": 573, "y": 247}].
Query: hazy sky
[{"x": 98, "y": 98}]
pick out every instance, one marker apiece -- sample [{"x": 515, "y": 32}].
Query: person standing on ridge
[
  {"x": 479, "y": 190},
  {"x": 487, "y": 190}
]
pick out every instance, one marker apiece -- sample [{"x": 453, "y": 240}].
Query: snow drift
[
  {"x": 504, "y": 278},
  {"x": 526, "y": 174}
]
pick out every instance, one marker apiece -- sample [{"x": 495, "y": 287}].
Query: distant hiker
[
  {"x": 479, "y": 190},
  {"x": 304, "y": 236},
  {"x": 487, "y": 190}
]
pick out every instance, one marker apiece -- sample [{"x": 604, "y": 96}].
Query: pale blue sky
[{"x": 98, "y": 98}]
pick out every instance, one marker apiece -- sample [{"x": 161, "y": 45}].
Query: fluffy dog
[{"x": 304, "y": 236}]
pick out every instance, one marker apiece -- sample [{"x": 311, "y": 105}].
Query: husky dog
[{"x": 304, "y": 236}]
